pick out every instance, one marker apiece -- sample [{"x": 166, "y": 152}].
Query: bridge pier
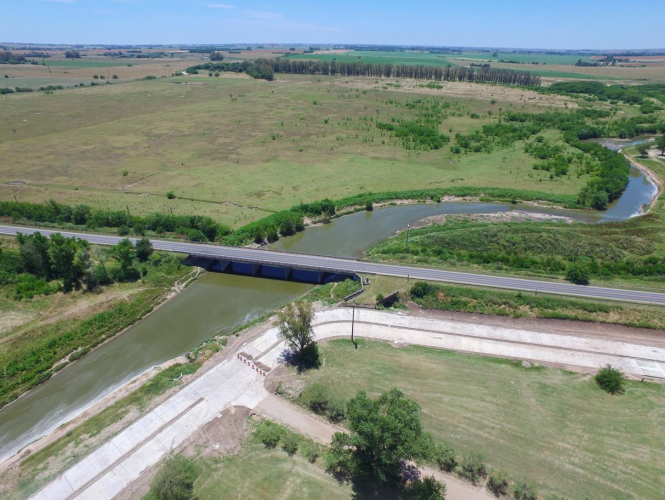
[
  {"x": 283, "y": 273},
  {"x": 220, "y": 266},
  {"x": 245, "y": 268}
]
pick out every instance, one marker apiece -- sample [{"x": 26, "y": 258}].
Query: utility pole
[
  {"x": 353, "y": 322},
  {"x": 408, "y": 228}
]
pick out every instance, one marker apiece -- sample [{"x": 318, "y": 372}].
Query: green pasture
[{"x": 556, "y": 428}]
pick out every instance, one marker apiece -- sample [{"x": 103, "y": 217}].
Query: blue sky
[{"x": 562, "y": 24}]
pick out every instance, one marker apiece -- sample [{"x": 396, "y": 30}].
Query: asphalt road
[{"x": 335, "y": 264}]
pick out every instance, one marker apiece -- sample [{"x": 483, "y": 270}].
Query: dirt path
[{"x": 276, "y": 408}]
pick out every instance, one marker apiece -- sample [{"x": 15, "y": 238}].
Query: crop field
[
  {"x": 523, "y": 58},
  {"x": 211, "y": 141},
  {"x": 553, "y": 427},
  {"x": 381, "y": 57}
]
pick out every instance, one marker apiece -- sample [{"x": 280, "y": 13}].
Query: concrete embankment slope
[{"x": 239, "y": 381}]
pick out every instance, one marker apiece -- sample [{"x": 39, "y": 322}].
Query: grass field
[
  {"x": 211, "y": 141},
  {"x": 553, "y": 427},
  {"x": 265, "y": 474}
]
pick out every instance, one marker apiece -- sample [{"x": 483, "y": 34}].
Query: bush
[
  {"x": 175, "y": 480},
  {"x": 446, "y": 458},
  {"x": 318, "y": 401},
  {"x": 611, "y": 379},
  {"x": 578, "y": 274},
  {"x": 427, "y": 488},
  {"x": 422, "y": 289},
  {"x": 524, "y": 491},
  {"x": 123, "y": 230},
  {"x": 269, "y": 433},
  {"x": 369, "y": 206},
  {"x": 336, "y": 412},
  {"x": 313, "y": 452},
  {"x": 472, "y": 468},
  {"x": 290, "y": 444},
  {"x": 170, "y": 195},
  {"x": 498, "y": 483}
]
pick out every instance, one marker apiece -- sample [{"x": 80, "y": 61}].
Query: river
[{"x": 218, "y": 302}]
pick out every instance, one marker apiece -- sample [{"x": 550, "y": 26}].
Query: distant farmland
[{"x": 380, "y": 57}]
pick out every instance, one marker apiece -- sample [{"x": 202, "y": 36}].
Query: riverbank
[{"x": 137, "y": 306}]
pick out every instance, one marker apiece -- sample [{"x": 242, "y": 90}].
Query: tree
[
  {"x": 643, "y": 149},
  {"x": 216, "y": 56},
  {"x": 175, "y": 480},
  {"x": 386, "y": 434},
  {"x": 34, "y": 254},
  {"x": 660, "y": 144},
  {"x": 123, "y": 252},
  {"x": 143, "y": 249},
  {"x": 72, "y": 54},
  {"x": 69, "y": 259},
  {"x": 578, "y": 273},
  {"x": 611, "y": 379},
  {"x": 295, "y": 326}
]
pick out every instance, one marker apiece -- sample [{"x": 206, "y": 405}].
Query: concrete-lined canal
[{"x": 219, "y": 302}]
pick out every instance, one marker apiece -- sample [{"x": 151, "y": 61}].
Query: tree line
[
  {"x": 7, "y": 57},
  {"x": 388, "y": 70},
  {"x": 266, "y": 68},
  {"x": 194, "y": 227}
]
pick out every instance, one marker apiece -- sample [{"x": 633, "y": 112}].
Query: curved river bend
[{"x": 219, "y": 302}]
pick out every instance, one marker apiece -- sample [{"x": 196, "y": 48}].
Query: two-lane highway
[{"x": 335, "y": 264}]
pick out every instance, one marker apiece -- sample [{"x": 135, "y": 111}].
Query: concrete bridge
[{"x": 269, "y": 259}]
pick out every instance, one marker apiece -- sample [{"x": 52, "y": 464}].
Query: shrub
[
  {"x": 578, "y": 274},
  {"x": 422, "y": 289},
  {"x": 175, "y": 480},
  {"x": 336, "y": 412},
  {"x": 472, "y": 468},
  {"x": 269, "y": 433},
  {"x": 318, "y": 401},
  {"x": 427, "y": 488},
  {"x": 524, "y": 491},
  {"x": 313, "y": 452},
  {"x": 446, "y": 458},
  {"x": 498, "y": 483},
  {"x": 170, "y": 195},
  {"x": 369, "y": 206},
  {"x": 290, "y": 444},
  {"x": 123, "y": 230},
  {"x": 125, "y": 173},
  {"x": 611, "y": 379}
]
